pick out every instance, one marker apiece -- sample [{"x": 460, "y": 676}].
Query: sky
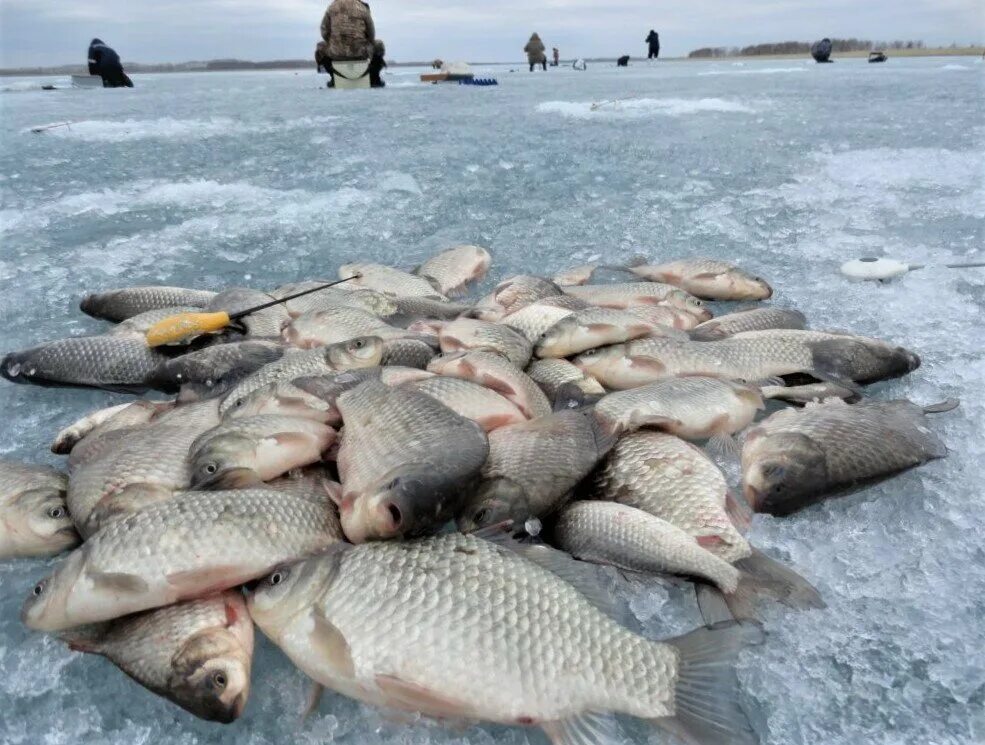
[{"x": 54, "y": 32}]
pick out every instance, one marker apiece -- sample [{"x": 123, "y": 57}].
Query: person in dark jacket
[
  {"x": 653, "y": 39},
  {"x": 535, "y": 52},
  {"x": 623, "y": 61},
  {"x": 105, "y": 62},
  {"x": 821, "y": 50}
]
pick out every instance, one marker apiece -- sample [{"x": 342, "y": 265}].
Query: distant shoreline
[{"x": 247, "y": 66}]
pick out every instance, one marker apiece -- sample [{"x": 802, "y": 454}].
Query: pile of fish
[{"x": 409, "y": 493}]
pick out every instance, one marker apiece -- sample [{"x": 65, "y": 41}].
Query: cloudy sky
[{"x": 49, "y": 32}]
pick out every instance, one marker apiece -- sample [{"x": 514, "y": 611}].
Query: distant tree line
[{"x": 804, "y": 47}]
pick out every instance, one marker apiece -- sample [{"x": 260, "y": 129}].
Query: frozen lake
[{"x": 786, "y": 167}]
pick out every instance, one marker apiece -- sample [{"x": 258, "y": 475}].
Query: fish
[
  {"x": 631, "y": 539},
  {"x": 630, "y": 294},
  {"x": 497, "y": 373},
  {"x": 363, "y": 351},
  {"x": 809, "y": 392},
  {"x": 214, "y": 367},
  {"x": 407, "y": 352},
  {"x": 112, "y": 417},
  {"x": 412, "y": 308},
  {"x": 187, "y": 547},
  {"x": 337, "y": 325},
  {"x": 534, "y": 319},
  {"x": 552, "y": 374},
  {"x": 197, "y": 654},
  {"x": 34, "y": 519},
  {"x": 328, "y": 387},
  {"x": 311, "y": 482},
  {"x": 594, "y": 327},
  {"x": 709, "y": 279},
  {"x": 796, "y": 457},
  {"x": 470, "y": 400},
  {"x": 533, "y": 466},
  {"x": 333, "y": 297},
  {"x": 750, "y": 356},
  {"x": 576, "y": 275},
  {"x": 466, "y": 334},
  {"x": 672, "y": 480},
  {"x": 389, "y": 281},
  {"x": 262, "y": 323},
  {"x": 116, "y": 363},
  {"x": 751, "y": 319},
  {"x": 694, "y": 408},
  {"x": 669, "y": 315},
  {"x": 247, "y": 451},
  {"x": 405, "y": 461},
  {"x": 132, "y": 466},
  {"x": 120, "y": 304},
  {"x": 512, "y": 294},
  {"x": 453, "y": 269},
  {"x": 518, "y": 644}
]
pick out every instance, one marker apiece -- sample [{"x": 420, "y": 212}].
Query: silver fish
[
  {"x": 551, "y": 375},
  {"x": 214, "y": 367},
  {"x": 334, "y": 297},
  {"x": 405, "y": 461},
  {"x": 34, "y": 519},
  {"x": 630, "y": 294},
  {"x": 197, "y": 654},
  {"x": 711, "y": 279},
  {"x": 389, "y": 281},
  {"x": 497, "y": 373},
  {"x": 752, "y": 319},
  {"x": 187, "y": 547},
  {"x": 266, "y": 323},
  {"x": 466, "y": 334},
  {"x": 535, "y": 319},
  {"x": 594, "y": 327},
  {"x": 472, "y": 401},
  {"x": 452, "y": 270},
  {"x": 518, "y": 645}
]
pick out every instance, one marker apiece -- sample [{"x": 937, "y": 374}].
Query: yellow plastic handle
[{"x": 184, "y": 325}]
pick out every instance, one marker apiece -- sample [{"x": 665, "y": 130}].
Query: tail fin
[
  {"x": 706, "y": 699},
  {"x": 761, "y": 577},
  {"x": 944, "y": 406}
]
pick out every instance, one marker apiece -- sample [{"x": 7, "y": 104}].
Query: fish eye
[
  {"x": 480, "y": 515},
  {"x": 57, "y": 512},
  {"x": 211, "y": 468},
  {"x": 239, "y": 402},
  {"x": 277, "y": 577},
  {"x": 219, "y": 679},
  {"x": 358, "y": 344},
  {"x": 38, "y": 589}
]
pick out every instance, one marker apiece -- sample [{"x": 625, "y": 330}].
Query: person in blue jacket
[{"x": 105, "y": 62}]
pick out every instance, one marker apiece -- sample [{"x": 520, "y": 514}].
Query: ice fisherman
[
  {"x": 105, "y": 62},
  {"x": 349, "y": 34},
  {"x": 653, "y": 40},
  {"x": 557, "y": 56},
  {"x": 535, "y": 50}
]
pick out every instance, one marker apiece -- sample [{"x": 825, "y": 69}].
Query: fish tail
[
  {"x": 949, "y": 404},
  {"x": 763, "y": 577},
  {"x": 707, "y": 709}
]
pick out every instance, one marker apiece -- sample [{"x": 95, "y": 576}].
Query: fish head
[
  {"x": 225, "y": 461},
  {"x": 692, "y": 305},
  {"x": 46, "y": 607},
  {"x": 289, "y": 590},
  {"x": 747, "y": 286},
  {"x": 210, "y": 674},
  {"x": 557, "y": 341},
  {"x": 602, "y": 363},
  {"x": 363, "y": 351},
  {"x": 36, "y": 523},
  {"x": 496, "y": 500},
  {"x": 410, "y": 502},
  {"x": 284, "y": 399},
  {"x": 784, "y": 470}
]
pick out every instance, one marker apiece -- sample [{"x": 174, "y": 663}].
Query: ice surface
[{"x": 205, "y": 179}]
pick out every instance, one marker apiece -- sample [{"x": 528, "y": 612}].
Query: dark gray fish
[
  {"x": 119, "y": 305},
  {"x": 799, "y": 456},
  {"x": 407, "y": 353},
  {"x": 111, "y": 362},
  {"x": 267, "y": 322},
  {"x": 214, "y": 366}
]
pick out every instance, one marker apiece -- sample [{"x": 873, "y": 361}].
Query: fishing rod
[
  {"x": 875, "y": 269},
  {"x": 46, "y": 127},
  {"x": 183, "y": 326}
]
